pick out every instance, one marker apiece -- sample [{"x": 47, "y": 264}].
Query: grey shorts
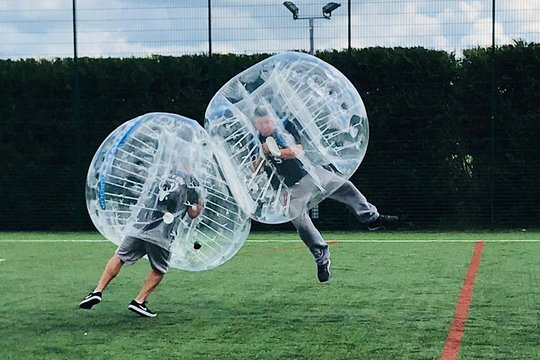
[{"x": 132, "y": 249}]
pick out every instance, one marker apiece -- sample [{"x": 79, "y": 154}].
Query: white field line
[
  {"x": 396, "y": 241},
  {"x": 2, "y": 260},
  {"x": 403, "y": 241},
  {"x": 52, "y": 241}
]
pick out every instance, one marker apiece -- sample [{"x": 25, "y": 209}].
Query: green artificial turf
[{"x": 392, "y": 296}]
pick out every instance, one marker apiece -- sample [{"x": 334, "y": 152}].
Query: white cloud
[
  {"x": 471, "y": 10},
  {"x": 399, "y": 25},
  {"x": 481, "y": 35},
  {"x": 43, "y": 28},
  {"x": 520, "y": 19}
]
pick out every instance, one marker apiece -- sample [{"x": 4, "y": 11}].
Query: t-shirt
[
  {"x": 171, "y": 195},
  {"x": 291, "y": 170}
]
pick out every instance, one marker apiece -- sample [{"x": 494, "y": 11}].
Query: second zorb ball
[
  {"x": 156, "y": 178},
  {"x": 292, "y": 129}
]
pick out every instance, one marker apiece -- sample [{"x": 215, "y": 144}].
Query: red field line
[{"x": 453, "y": 341}]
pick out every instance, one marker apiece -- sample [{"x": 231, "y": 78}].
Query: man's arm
[
  {"x": 257, "y": 164},
  {"x": 194, "y": 206},
  {"x": 285, "y": 153},
  {"x": 291, "y": 152}
]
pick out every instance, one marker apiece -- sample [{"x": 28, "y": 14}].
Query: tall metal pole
[
  {"x": 311, "y": 46},
  {"x": 77, "y": 120},
  {"x": 349, "y": 48},
  {"x": 210, "y": 28},
  {"x": 74, "y": 5},
  {"x": 493, "y": 104}
]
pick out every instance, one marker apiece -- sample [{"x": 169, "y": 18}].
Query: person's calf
[{"x": 150, "y": 283}]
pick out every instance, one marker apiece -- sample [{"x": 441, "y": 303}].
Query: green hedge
[{"x": 429, "y": 159}]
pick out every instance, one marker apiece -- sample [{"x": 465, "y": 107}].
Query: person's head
[{"x": 264, "y": 123}]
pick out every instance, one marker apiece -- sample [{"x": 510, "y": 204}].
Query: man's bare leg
[
  {"x": 113, "y": 267},
  {"x": 111, "y": 270},
  {"x": 138, "y": 304},
  {"x": 152, "y": 280}
]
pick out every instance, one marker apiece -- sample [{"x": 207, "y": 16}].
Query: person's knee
[
  {"x": 348, "y": 187},
  {"x": 159, "y": 271},
  {"x": 118, "y": 261}
]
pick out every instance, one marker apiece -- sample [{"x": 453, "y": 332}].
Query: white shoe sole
[
  {"x": 90, "y": 302},
  {"x": 140, "y": 311}
]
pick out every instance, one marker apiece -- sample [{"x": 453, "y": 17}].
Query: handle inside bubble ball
[{"x": 272, "y": 146}]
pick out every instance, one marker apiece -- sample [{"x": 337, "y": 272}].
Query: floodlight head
[
  {"x": 292, "y": 8},
  {"x": 328, "y": 8}
]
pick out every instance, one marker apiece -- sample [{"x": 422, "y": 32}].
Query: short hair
[{"x": 260, "y": 112}]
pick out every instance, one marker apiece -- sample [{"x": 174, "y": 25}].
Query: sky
[{"x": 127, "y": 28}]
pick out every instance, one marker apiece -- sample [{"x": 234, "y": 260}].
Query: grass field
[{"x": 392, "y": 296}]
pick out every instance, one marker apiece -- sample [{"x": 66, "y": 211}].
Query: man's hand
[
  {"x": 256, "y": 164},
  {"x": 194, "y": 210}
]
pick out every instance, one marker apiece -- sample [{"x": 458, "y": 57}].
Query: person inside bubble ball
[
  {"x": 287, "y": 164},
  {"x": 175, "y": 199}
]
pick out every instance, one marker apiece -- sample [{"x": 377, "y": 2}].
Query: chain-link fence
[
  {"x": 114, "y": 28},
  {"x": 140, "y": 29}
]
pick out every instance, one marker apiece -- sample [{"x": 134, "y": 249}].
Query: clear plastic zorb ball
[
  {"x": 156, "y": 178},
  {"x": 292, "y": 129}
]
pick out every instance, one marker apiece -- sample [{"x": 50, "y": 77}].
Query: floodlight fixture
[
  {"x": 326, "y": 14},
  {"x": 292, "y": 8},
  {"x": 328, "y": 8}
]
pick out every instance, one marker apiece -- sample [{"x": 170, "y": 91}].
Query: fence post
[
  {"x": 349, "y": 47},
  {"x": 492, "y": 110},
  {"x": 77, "y": 124},
  {"x": 209, "y": 28}
]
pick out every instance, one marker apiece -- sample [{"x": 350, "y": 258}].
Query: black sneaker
[
  {"x": 90, "y": 300},
  {"x": 383, "y": 222},
  {"x": 323, "y": 272},
  {"x": 141, "y": 309}
]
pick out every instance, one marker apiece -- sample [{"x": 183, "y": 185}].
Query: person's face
[{"x": 265, "y": 125}]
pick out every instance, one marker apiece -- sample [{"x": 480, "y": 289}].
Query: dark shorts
[{"x": 132, "y": 249}]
